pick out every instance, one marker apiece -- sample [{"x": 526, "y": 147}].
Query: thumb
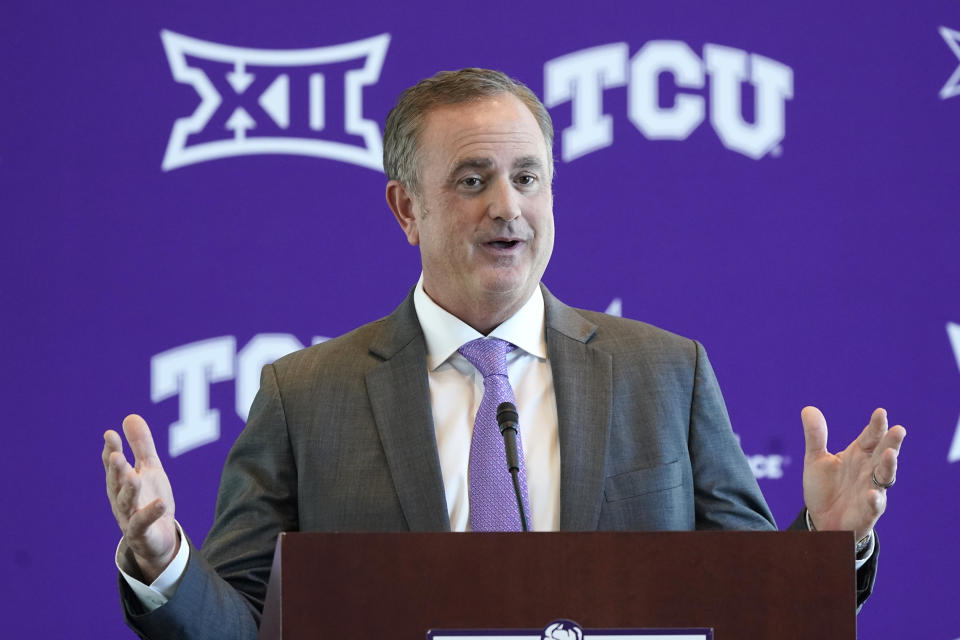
[
  {"x": 141, "y": 442},
  {"x": 814, "y": 431}
]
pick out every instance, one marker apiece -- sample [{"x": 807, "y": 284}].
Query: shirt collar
[{"x": 445, "y": 333}]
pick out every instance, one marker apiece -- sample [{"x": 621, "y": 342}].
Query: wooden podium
[{"x": 744, "y": 585}]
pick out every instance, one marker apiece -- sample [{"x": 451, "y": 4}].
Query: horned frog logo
[{"x": 562, "y": 630}]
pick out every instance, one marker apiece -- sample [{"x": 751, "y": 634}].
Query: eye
[
  {"x": 471, "y": 182},
  {"x": 525, "y": 179}
]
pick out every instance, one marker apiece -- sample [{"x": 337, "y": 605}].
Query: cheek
[
  {"x": 442, "y": 241},
  {"x": 542, "y": 221}
]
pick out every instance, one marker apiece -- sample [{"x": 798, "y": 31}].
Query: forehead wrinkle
[
  {"x": 480, "y": 152},
  {"x": 471, "y": 136}
]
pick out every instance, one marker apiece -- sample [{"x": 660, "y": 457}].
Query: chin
[{"x": 509, "y": 286}]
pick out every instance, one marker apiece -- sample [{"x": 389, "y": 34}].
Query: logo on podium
[{"x": 569, "y": 630}]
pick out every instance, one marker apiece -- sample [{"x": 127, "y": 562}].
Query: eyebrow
[
  {"x": 528, "y": 162},
  {"x": 524, "y": 162}
]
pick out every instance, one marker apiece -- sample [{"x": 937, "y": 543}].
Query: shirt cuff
[
  {"x": 158, "y": 592},
  {"x": 864, "y": 555}
]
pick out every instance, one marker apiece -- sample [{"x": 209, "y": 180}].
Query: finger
[
  {"x": 871, "y": 435},
  {"x": 886, "y": 470},
  {"x": 128, "y": 494},
  {"x": 117, "y": 468},
  {"x": 111, "y": 443},
  {"x": 876, "y": 504},
  {"x": 814, "y": 431},
  {"x": 141, "y": 442},
  {"x": 892, "y": 439},
  {"x": 144, "y": 517}
]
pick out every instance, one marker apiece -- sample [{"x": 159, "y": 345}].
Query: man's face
[{"x": 484, "y": 216}]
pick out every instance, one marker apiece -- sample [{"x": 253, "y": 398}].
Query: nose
[{"x": 504, "y": 201}]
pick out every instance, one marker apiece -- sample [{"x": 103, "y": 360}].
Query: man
[{"x": 623, "y": 426}]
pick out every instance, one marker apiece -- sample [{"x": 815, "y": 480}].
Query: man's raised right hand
[{"x": 141, "y": 498}]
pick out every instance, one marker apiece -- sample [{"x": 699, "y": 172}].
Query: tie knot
[{"x": 488, "y": 355}]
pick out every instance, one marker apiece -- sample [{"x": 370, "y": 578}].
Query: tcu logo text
[
  {"x": 582, "y": 76},
  {"x": 188, "y": 371},
  {"x": 290, "y": 101}
]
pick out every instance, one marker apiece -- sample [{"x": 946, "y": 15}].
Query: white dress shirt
[{"x": 456, "y": 388}]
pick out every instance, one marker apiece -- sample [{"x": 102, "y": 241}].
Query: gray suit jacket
[{"x": 340, "y": 438}]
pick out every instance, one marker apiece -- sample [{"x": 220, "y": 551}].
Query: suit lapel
[
  {"x": 582, "y": 381},
  {"x": 400, "y": 397}
]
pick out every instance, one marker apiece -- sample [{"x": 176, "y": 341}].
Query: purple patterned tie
[{"x": 493, "y": 503}]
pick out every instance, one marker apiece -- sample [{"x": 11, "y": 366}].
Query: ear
[{"x": 401, "y": 202}]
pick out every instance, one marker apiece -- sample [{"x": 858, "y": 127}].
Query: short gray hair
[{"x": 405, "y": 121}]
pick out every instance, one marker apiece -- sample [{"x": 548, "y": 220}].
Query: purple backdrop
[{"x": 780, "y": 183}]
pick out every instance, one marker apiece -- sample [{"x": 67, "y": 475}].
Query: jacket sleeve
[{"x": 726, "y": 495}]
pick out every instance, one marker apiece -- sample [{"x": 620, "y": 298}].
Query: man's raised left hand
[{"x": 847, "y": 491}]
